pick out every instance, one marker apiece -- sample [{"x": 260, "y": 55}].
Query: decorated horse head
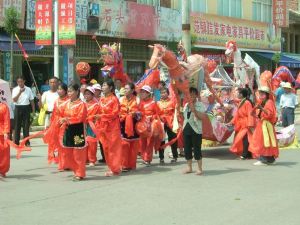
[
  {"x": 110, "y": 54},
  {"x": 231, "y": 49}
]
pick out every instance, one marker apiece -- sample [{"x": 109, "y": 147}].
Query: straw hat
[
  {"x": 97, "y": 87},
  {"x": 147, "y": 88},
  {"x": 287, "y": 85},
  {"x": 91, "y": 89},
  {"x": 264, "y": 89}
]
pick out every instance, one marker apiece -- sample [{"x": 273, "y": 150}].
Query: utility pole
[
  {"x": 186, "y": 26},
  {"x": 56, "y": 46}
]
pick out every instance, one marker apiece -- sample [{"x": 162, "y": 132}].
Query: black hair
[
  {"x": 20, "y": 77},
  {"x": 132, "y": 87},
  {"x": 111, "y": 84},
  {"x": 246, "y": 93},
  {"x": 75, "y": 87},
  {"x": 166, "y": 90},
  {"x": 194, "y": 90},
  {"x": 162, "y": 83},
  {"x": 55, "y": 78},
  {"x": 63, "y": 86}
]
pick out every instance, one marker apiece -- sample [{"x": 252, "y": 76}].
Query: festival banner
[
  {"x": 19, "y": 5},
  {"x": 67, "y": 22},
  {"x": 212, "y": 30},
  {"x": 43, "y": 22},
  {"x": 280, "y": 13}
]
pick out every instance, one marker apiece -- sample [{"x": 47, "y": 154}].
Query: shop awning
[
  {"x": 28, "y": 45},
  {"x": 285, "y": 60}
]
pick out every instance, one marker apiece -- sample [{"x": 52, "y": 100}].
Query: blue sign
[
  {"x": 6, "y": 64},
  {"x": 65, "y": 65}
]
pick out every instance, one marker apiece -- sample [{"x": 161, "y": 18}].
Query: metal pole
[
  {"x": 186, "y": 26},
  {"x": 56, "y": 46},
  {"x": 11, "y": 77}
]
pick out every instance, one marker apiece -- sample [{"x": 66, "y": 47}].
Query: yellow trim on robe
[{"x": 268, "y": 133}]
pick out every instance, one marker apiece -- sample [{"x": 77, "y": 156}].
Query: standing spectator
[
  {"x": 48, "y": 98},
  {"x": 118, "y": 86},
  {"x": 45, "y": 86},
  {"x": 23, "y": 99},
  {"x": 288, "y": 103},
  {"x": 36, "y": 100},
  {"x": 192, "y": 132},
  {"x": 156, "y": 92},
  {"x": 82, "y": 89},
  {"x": 278, "y": 93}
]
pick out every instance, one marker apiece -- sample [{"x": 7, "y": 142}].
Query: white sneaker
[{"x": 259, "y": 163}]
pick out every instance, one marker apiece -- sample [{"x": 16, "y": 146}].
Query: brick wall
[{"x": 293, "y": 4}]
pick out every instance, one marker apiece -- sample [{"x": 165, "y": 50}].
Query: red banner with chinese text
[
  {"x": 280, "y": 13},
  {"x": 67, "y": 22},
  {"x": 43, "y": 22}
]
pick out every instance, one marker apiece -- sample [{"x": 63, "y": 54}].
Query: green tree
[
  {"x": 11, "y": 23},
  {"x": 276, "y": 58}
]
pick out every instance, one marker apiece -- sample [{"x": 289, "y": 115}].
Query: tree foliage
[
  {"x": 276, "y": 57},
  {"x": 11, "y": 20}
]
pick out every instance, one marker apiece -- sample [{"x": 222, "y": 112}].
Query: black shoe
[
  {"x": 101, "y": 161},
  {"x": 27, "y": 144}
]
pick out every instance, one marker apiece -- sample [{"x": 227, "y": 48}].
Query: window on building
[
  {"x": 262, "y": 10},
  {"x": 135, "y": 69},
  {"x": 232, "y": 8},
  {"x": 199, "y": 6},
  {"x": 149, "y": 2}
]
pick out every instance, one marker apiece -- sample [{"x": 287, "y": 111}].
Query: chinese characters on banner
[
  {"x": 43, "y": 22},
  {"x": 30, "y": 16},
  {"x": 67, "y": 22},
  {"x": 81, "y": 16},
  {"x": 20, "y": 7},
  {"x": 280, "y": 13},
  {"x": 212, "y": 30}
]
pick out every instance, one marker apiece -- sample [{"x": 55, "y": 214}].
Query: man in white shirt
[
  {"x": 23, "y": 98},
  {"x": 48, "y": 98},
  {"x": 288, "y": 103}
]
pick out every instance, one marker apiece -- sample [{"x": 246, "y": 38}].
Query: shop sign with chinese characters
[
  {"x": 280, "y": 13},
  {"x": 211, "y": 30},
  {"x": 67, "y": 22},
  {"x": 43, "y": 22}
]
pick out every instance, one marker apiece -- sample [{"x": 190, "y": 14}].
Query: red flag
[{"x": 21, "y": 47}]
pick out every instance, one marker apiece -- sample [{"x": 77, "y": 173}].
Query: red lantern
[{"x": 82, "y": 69}]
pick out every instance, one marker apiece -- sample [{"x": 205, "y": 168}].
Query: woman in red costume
[
  {"x": 109, "y": 127},
  {"x": 150, "y": 109},
  {"x": 51, "y": 136},
  {"x": 129, "y": 115},
  {"x": 92, "y": 110},
  {"x": 265, "y": 143},
  {"x": 4, "y": 135},
  {"x": 166, "y": 108},
  {"x": 72, "y": 132},
  {"x": 243, "y": 123}
]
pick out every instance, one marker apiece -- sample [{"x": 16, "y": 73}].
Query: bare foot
[
  {"x": 187, "y": 170},
  {"x": 199, "y": 172}
]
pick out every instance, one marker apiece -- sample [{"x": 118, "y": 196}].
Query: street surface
[{"x": 230, "y": 192}]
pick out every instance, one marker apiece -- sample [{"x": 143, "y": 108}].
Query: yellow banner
[{"x": 213, "y": 30}]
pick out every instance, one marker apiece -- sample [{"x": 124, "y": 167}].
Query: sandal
[
  {"x": 77, "y": 178},
  {"x": 109, "y": 174}
]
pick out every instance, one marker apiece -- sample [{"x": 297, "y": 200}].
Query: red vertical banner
[
  {"x": 43, "y": 22},
  {"x": 67, "y": 22},
  {"x": 280, "y": 13}
]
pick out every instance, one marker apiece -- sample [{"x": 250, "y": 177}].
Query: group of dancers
[{"x": 134, "y": 125}]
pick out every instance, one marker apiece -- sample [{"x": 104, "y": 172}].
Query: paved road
[{"x": 231, "y": 192}]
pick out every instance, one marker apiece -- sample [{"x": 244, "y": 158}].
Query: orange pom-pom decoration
[
  {"x": 82, "y": 68},
  {"x": 211, "y": 66}
]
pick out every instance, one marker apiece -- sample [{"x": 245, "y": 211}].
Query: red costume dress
[
  {"x": 150, "y": 110},
  {"x": 264, "y": 137},
  {"x": 72, "y": 136},
  {"x": 166, "y": 114},
  {"x": 242, "y": 121},
  {"x": 92, "y": 110},
  {"x": 130, "y": 138},
  {"x": 109, "y": 131},
  {"x": 4, "y": 147},
  {"x": 51, "y": 135}
]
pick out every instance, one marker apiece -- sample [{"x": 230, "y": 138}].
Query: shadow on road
[
  {"x": 221, "y": 172},
  {"x": 286, "y": 164},
  {"x": 221, "y": 154},
  {"x": 25, "y": 177}
]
